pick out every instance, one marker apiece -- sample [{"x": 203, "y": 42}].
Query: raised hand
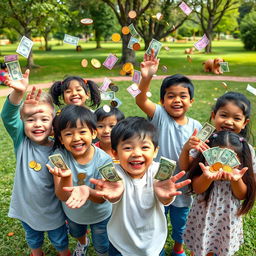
[
  {"x": 149, "y": 66},
  {"x": 59, "y": 172},
  {"x": 235, "y": 175},
  {"x": 211, "y": 175},
  {"x": 195, "y": 143}
]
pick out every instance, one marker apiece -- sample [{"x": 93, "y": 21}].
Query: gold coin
[
  {"x": 81, "y": 176},
  {"x": 86, "y": 21},
  {"x": 113, "y": 87},
  {"x": 122, "y": 72},
  {"x": 84, "y": 63},
  {"x": 116, "y": 161},
  {"x": 125, "y": 30},
  {"x": 216, "y": 166},
  {"x": 38, "y": 167},
  {"x": 32, "y": 164},
  {"x": 116, "y": 37},
  {"x": 224, "y": 85},
  {"x": 132, "y": 14},
  {"x": 211, "y": 169},
  {"x": 95, "y": 63},
  {"x": 227, "y": 168},
  {"x": 127, "y": 67},
  {"x": 10, "y": 234},
  {"x": 80, "y": 183},
  {"x": 136, "y": 46}
]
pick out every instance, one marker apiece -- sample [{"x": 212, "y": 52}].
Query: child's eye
[
  {"x": 184, "y": 96},
  {"x": 145, "y": 147},
  {"x": 111, "y": 126},
  {"x": 67, "y": 134},
  {"x": 67, "y": 91},
  {"x": 238, "y": 119},
  {"x": 100, "y": 126},
  {"x": 127, "y": 148},
  {"x": 83, "y": 132},
  {"x": 45, "y": 119}
]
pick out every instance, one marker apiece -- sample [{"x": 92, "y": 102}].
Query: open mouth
[
  {"x": 75, "y": 100},
  {"x": 38, "y": 132},
  {"x": 177, "y": 107},
  {"x": 227, "y": 129},
  {"x": 78, "y": 147},
  {"x": 136, "y": 164}
]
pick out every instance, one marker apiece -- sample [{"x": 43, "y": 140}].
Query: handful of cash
[
  {"x": 109, "y": 172},
  {"x": 166, "y": 169},
  {"x": 58, "y": 161},
  {"x": 221, "y": 158}
]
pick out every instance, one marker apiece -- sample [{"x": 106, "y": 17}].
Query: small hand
[
  {"x": 235, "y": 175},
  {"x": 211, "y": 175},
  {"x": 149, "y": 66},
  {"x": 59, "y": 172}
]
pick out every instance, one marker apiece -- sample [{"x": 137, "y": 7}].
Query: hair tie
[
  {"x": 85, "y": 81},
  {"x": 58, "y": 112},
  {"x": 215, "y": 135},
  {"x": 241, "y": 139}
]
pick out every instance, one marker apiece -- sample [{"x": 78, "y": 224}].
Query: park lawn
[
  {"x": 63, "y": 60},
  {"x": 206, "y": 93}
]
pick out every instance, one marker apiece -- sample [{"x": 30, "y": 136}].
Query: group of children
[{"x": 127, "y": 217}]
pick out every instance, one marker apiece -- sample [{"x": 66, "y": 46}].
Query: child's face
[
  {"x": 78, "y": 140},
  {"x": 75, "y": 94},
  {"x": 135, "y": 155},
  {"x": 229, "y": 118},
  {"x": 104, "y": 128},
  {"x": 38, "y": 122},
  {"x": 177, "y": 101}
]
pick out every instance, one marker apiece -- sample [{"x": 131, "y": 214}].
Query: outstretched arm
[
  {"x": 166, "y": 190},
  {"x": 148, "y": 68}
]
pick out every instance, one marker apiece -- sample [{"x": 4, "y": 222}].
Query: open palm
[
  {"x": 19, "y": 85},
  {"x": 149, "y": 66}
]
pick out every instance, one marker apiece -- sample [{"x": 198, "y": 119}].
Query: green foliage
[{"x": 248, "y": 31}]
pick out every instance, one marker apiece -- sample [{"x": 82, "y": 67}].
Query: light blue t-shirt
[
  {"x": 33, "y": 197},
  {"x": 172, "y": 138},
  {"x": 90, "y": 212}
]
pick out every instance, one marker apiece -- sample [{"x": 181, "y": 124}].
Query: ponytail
[
  {"x": 94, "y": 93},
  {"x": 55, "y": 91}
]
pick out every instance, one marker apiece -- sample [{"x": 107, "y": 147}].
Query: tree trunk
[
  {"x": 46, "y": 42},
  {"x": 128, "y": 55},
  {"x": 146, "y": 42},
  {"x": 208, "y": 48},
  {"x": 30, "y": 60},
  {"x": 97, "y": 37}
]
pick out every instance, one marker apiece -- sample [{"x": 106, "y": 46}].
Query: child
[
  {"x": 105, "y": 123},
  {"x": 214, "y": 223},
  {"x": 33, "y": 200},
  {"x": 74, "y": 130},
  {"x": 137, "y": 225},
  {"x": 75, "y": 90},
  {"x": 3, "y": 72},
  {"x": 176, "y": 96}
]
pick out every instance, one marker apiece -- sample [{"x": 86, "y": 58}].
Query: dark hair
[
  {"x": 176, "y": 80},
  {"x": 133, "y": 126},
  {"x": 68, "y": 117},
  {"x": 3, "y": 65},
  {"x": 239, "y": 100},
  {"x": 90, "y": 88},
  {"x": 101, "y": 114},
  {"x": 240, "y": 146}
]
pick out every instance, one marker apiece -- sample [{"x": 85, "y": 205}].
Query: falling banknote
[
  {"x": 14, "y": 70},
  {"x": 205, "y": 132},
  {"x": 166, "y": 169},
  {"x": 25, "y": 46},
  {"x": 155, "y": 45},
  {"x": 58, "y": 161},
  {"x": 71, "y": 39},
  {"x": 109, "y": 173}
]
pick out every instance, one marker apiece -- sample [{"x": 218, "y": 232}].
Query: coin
[
  {"x": 80, "y": 183},
  {"x": 81, "y": 176},
  {"x": 116, "y": 37},
  {"x": 122, "y": 72},
  {"x": 149, "y": 94},
  {"x": 86, "y": 21},
  {"x": 167, "y": 48},
  {"x": 38, "y": 167},
  {"x": 125, "y": 30},
  {"x": 136, "y": 46},
  {"x": 10, "y": 234},
  {"x": 113, "y": 88},
  {"x": 224, "y": 85},
  {"x": 84, "y": 63},
  {"x": 227, "y": 168},
  {"x": 113, "y": 103},
  {"x": 116, "y": 161},
  {"x": 132, "y": 14},
  {"x": 127, "y": 67},
  {"x": 106, "y": 108},
  {"x": 159, "y": 16},
  {"x": 189, "y": 59},
  {"x": 95, "y": 63},
  {"x": 164, "y": 68},
  {"x": 32, "y": 164},
  {"x": 216, "y": 166},
  {"x": 134, "y": 87}
]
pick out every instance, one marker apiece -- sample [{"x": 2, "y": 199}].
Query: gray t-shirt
[
  {"x": 33, "y": 197},
  {"x": 172, "y": 137},
  {"x": 90, "y": 212}
]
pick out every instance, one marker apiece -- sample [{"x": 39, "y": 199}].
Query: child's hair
[
  {"x": 90, "y": 88},
  {"x": 3, "y": 65},
  {"x": 68, "y": 117},
  {"x": 44, "y": 98},
  {"x": 130, "y": 127},
  {"x": 101, "y": 114},
  {"x": 237, "y": 143},
  {"x": 176, "y": 80},
  {"x": 240, "y": 101}
]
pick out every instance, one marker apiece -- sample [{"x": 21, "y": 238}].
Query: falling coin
[
  {"x": 113, "y": 103},
  {"x": 127, "y": 67},
  {"x": 164, "y": 68},
  {"x": 95, "y": 63},
  {"x": 132, "y": 14},
  {"x": 86, "y": 21},
  {"x": 224, "y": 85},
  {"x": 125, "y": 30},
  {"x": 167, "y": 48},
  {"x": 159, "y": 16},
  {"x": 38, "y": 167},
  {"x": 32, "y": 164},
  {"x": 81, "y": 176},
  {"x": 84, "y": 63},
  {"x": 106, "y": 108},
  {"x": 10, "y": 234},
  {"x": 134, "y": 87},
  {"x": 113, "y": 88},
  {"x": 136, "y": 46},
  {"x": 116, "y": 37},
  {"x": 149, "y": 94},
  {"x": 122, "y": 72}
]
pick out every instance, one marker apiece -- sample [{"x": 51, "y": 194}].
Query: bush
[
  {"x": 248, "y": 31},
  {"x": 236, "y": 34}
]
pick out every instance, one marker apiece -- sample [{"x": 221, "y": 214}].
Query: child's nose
[{"x": 136, "y": 152}]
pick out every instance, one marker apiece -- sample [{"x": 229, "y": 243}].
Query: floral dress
[{"x": 215, "y": 226}]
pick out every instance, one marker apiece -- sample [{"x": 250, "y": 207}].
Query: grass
[{"x": 206, "y": 93}]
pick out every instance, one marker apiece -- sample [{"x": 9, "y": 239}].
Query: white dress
[{"x": 215, "y": 226}]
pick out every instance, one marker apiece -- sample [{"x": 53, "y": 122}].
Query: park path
[{"x": 5, "y": 92}]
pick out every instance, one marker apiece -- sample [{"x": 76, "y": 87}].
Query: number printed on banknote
[
  {"x": 14, "y": 70},
  {"x": 205, "y": 132},
  {"x": 165, "y": 169},
  {"x": 24, "y": 47},
  {"x": 58, "y": 161},
  {"x": 109, "y": 95},
  {"x": 109, "y": 172}
]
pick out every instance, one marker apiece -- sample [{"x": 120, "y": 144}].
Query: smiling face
[
  {"x": 229, "y": 118},
  {"x": 135, "y": 155},
  {"x": 75, "y": 94},
  {"x": 177, "y": 102}
]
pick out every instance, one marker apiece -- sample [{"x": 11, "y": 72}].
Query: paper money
[
  {"x": 58, "y": 161},
  {"x": 251, "y": 89},
  {"x": 71, "y": 39},
  {"x": 156, "y": 45},
  {"x": 185, "y": 8},
  {"x": 14, "y": 70},
  {"x": 224, "y": 66},
  {"x": 202, "y": 43},
  {"x": 165, "y": 169},
  {"x": 110, "y": 95},
  {"x": 136, "y": 76},
  {"x": 9, "y": 58},
  {"x": 109, "y": 173},
  {"x": 132, "y": 41},
  {"x": 134, "y": 90},
  {"x": 110, "y": 61},
  {"x": 133, "y": 31},
  {"x": 233, "y": 162},
  {"x": 24, "y": 46},
  {"x": 105, "y": 84},
  {"x": 225, "y": 156},
  {"x": 205, "y": 132},
  {"x": 207, "y": 156}
]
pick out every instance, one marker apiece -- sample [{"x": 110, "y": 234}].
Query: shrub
[{"x": 236, "y": 34}]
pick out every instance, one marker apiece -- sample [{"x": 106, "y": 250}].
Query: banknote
[
  {"x": 68, "y": 39},
  {"x": 58, "y": 161},
  {"x": 205, "y": 132},
  {"x": 156, "y": 45},
  {"x": 134, "y": 90},
  {"x": 224, "y": 66},
  {"x": 109, "y": 173},
  {"x": 9, "y": 58},
  {"x": 14, "y": 70},
  {"x": 185, "y": 8},
  {"x": 131, "y": 42},
  {"x": 133, "y": 31},
  {"x": 136, "y": 76},
  {"x": 251, "y": 89},
  {"x": 165, "y": 169},
  {"x": 110, "y": 61},
  {"x": 214, "y": 153},
  {"x": 233, "y": 162},
  {"x": 24, "y": 46},
  {"x": 110, "y": 95},
  {"x": 225, "y": 156},
  {"x": 202, "y": 43},
  {"x": 207, "y": 156},
  {"x": 105, "y": 85}
]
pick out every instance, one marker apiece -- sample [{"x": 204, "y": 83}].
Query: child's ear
[
  {"x": 94, "y": 134},
  {"x": 114, "y": 152},
  {"x": 156, "y": 152},
  {"x": 60, "y": 140},
  {"x": 246, "y": 122},
  {"x": 212, "y": 116},
  {"x": 191, "y": 101}
]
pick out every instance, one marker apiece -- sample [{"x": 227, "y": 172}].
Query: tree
[{"x": 210, "y": 13}]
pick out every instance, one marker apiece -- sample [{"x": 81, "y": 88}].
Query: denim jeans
[
  {"x": 58, "y": 237},
  {"x": 98, "y": 230}
]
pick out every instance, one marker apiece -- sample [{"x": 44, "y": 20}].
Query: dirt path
[{"x": 5, "y": 92}]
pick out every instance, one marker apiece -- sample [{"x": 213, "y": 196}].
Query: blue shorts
[
  {"x": 178, "y": 218},
  {"x": 98, "y": 230},
  {"x": 58, "y": 237}
]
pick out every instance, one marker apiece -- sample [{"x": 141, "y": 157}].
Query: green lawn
[{"x": 206, "y": 93}]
